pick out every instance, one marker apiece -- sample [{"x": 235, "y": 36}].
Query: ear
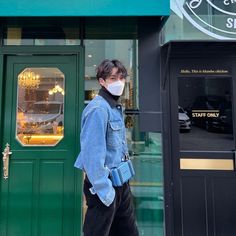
[{"x": 102, "y": 81}]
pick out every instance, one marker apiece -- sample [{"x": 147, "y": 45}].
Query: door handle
[{"x": 6, "y": 153}]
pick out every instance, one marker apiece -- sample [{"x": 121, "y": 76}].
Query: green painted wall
[{"x": 84, "y": 8}]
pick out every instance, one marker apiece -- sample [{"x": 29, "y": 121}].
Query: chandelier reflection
[
  {"x": 56, "y": 89},
  {"x": 28, "y": 80}
]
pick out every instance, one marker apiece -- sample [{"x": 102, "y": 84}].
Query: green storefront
[{"x": 48, "y": 55}]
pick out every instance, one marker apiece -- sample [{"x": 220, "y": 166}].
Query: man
[{"x": 103, "y": 146}]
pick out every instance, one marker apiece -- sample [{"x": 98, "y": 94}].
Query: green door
[{"x": 40, "y": 125}]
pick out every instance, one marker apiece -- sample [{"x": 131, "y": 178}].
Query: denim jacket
[{"x": 103, "y": 143}]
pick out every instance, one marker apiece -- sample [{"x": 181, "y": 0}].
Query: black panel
[
  {"x": 149, "y": 71},
  {"x": 150, "y": 122},
  {"x": 193, "y": 205},
  {"x": 224, "y": 207}
]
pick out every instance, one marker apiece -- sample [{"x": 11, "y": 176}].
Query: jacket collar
[{"x": 108, "y": 97}]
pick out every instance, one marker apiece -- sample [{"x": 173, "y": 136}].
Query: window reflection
[
  {"x": 205, "y": 113},
  {"x": 147, "y": 184},
  {"x": 184, "y": 120},
  {"x": 40, "y": 36},
  {"x": 40, "y": 119},
  {"x": 123, "y": 50},
  {"x": 144, "y": 147}
]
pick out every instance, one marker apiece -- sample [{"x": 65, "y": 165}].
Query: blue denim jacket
[{"x": 103, "y": 143}]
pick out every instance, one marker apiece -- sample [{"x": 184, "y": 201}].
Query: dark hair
[{"x": 105, "y": 68}]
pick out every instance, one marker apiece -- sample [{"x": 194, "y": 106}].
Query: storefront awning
[{"x": 84, "y": 8}]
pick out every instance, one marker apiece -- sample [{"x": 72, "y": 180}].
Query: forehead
[{"x": 114, "y": 71}]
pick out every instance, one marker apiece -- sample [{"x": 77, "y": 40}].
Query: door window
[
  {"x": 205, "y": 113},
  {"x": 40, "y": 102}
]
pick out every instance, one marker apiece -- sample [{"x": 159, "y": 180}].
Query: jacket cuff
[{"x": 109, "y": 197}]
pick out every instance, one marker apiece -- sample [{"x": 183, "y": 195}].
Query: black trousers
[{"x": 116, "y": 220}]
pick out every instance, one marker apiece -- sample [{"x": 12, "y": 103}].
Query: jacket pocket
[{"x": 114, "y": 133}]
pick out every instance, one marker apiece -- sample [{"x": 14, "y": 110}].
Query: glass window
[
  {"x": 198, "y": 19},
  {"x": 40, "y": 114},
  {"x": 205, "y": 113},
  {"x": 147, "y": 185},
  {"x": 41, "y": 36},
  {"x": 125, "y": 51},
  {"x": 177, "y": 28},
  {"x": 111, "y": 28},
  {"x": 144, "y": 147}
]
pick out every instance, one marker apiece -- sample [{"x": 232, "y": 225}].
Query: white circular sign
[{"x": 216, "y": 18}]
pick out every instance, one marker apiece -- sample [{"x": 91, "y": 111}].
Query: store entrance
[{"x": 202, "y": 110}]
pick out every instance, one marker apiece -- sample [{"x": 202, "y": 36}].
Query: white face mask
[{"x": 116, "y": 88}]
